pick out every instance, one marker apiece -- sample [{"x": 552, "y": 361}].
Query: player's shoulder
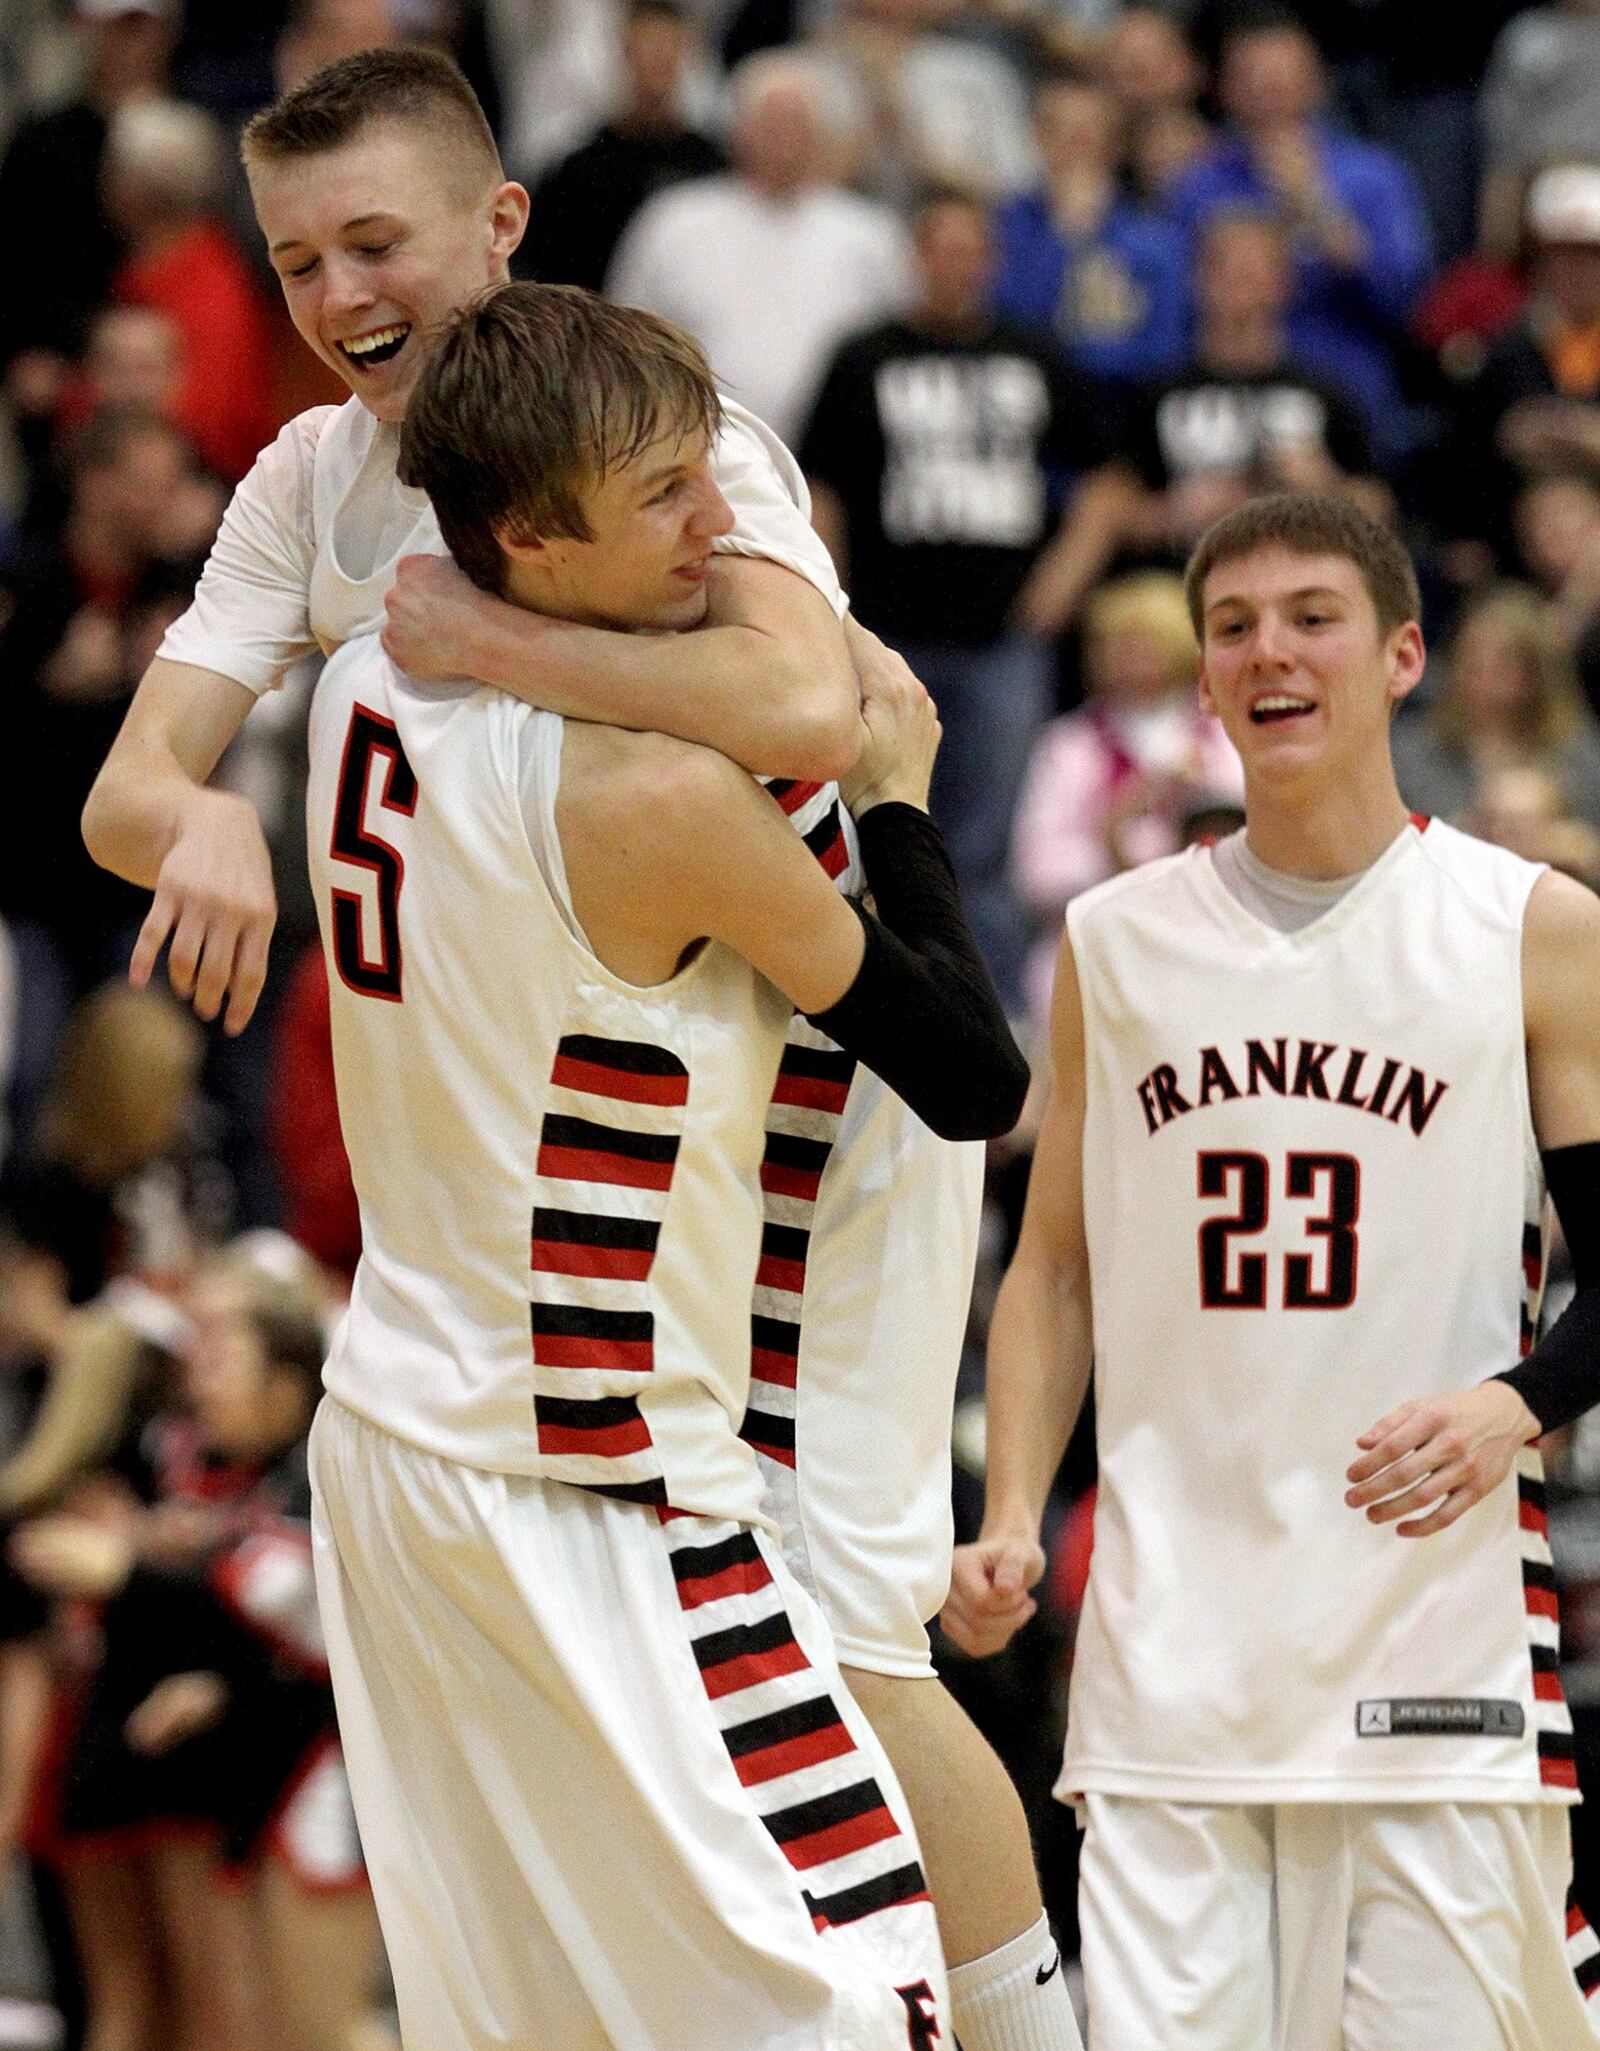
[
  {"x": 1498, "y": 884},
  {"x": 281, "y": 472},
  {"x": 1150, "y": 884},
  {"x": 302, "y": 435},
  {"x": 648, "y": 778},
  {"x": 1563, "y": 918}
]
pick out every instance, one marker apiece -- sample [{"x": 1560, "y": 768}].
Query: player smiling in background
[{"x": 1323, "y": 1775}]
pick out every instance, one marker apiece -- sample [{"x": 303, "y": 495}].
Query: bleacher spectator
[
  {"x": 770, "y": 265},
  {"x": 72, "y": 588},
  {"x": 1078, "y": 256},
  {"x": 932, "y": 449},
  {"x": 1148, "y": 62},
  {"x": 1557, "y": 519},
  {"x": 1536, "y": 400},
  {"x": 1510, "y": 700},
  {"x": 57, "y": 246},
  {"x": 1109, "y": 785},
  {"x": 1248, "y": 414},
  {"x": 582, "y": 204},
  {"x": 1162, "y": 148},
  {"x": 163, "y": 182},
  {"x": 933, "y": 107},
  {"x": 111, "y": 1182},
  {"x": 1540, "y": 103},
  {"x": 559, "y": 66},
  {"x": 1351, "y": 211}
]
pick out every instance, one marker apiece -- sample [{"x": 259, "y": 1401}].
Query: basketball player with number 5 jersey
[{"x": 1312, "y": 1086}]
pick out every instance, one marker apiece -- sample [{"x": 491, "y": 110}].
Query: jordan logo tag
[{"x": 1439, "y": 1716}]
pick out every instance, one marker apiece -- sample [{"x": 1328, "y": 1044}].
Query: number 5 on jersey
[
  {"x": 370, "y": 962},
  {"x": 1237, "y": 1279}
]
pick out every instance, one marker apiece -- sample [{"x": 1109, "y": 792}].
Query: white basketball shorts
[
  {"x": 611, "y": 1792},
  {"x": 1423, "y": 1926}
]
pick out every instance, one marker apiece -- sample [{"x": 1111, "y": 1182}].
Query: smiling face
[
  {"x": 1297, "y": 667},
  {"x": 378, "y": 242},
  {"x": 652, "y": 522}
]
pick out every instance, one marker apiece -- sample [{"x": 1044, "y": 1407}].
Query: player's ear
[
  {"x": 1405, "y": 660},
  {"x": 521, "y": 547},
  {"x": 508, "y": 220}
]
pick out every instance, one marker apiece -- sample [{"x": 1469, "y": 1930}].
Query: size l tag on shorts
[{"x": 1439, "y": 1716}]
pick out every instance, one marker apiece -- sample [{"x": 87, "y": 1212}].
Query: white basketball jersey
[
  {"x": 557, "y": 1172},
  {"x": 867, "y": 1257},
  {"x": 1312, "y": 1191}
]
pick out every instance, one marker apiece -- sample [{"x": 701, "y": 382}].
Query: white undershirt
[{"x": 1286, "y": 903}]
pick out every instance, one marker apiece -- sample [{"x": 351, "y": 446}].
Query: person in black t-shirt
[
  {"x": 582, "y": 204},
  {"x": 1245, "y": 417},
  {"x": 937, "y": 450}
]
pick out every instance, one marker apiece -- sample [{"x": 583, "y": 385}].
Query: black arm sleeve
[
  {"x": 1560, "y": 1378},
  {"x": 922, "y": 1011}
]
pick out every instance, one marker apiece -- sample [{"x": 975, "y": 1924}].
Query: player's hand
[
  {"x": 432, "y": 610},
  {"x": 177, "y": 1708},
  {"x": 215, "y": 902},
  {"x": 1433, "y": 1458},
  {"x": 72, "y": 1557},
  {"x": 989, "y": 1599},
  {"x": 895, "y": 765}
]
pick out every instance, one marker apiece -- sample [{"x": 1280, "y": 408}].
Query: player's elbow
[
  {"x": 820, "y": 713},
  {"x": 97, "y": 822},
  {"x": 984, "y": 1097}
]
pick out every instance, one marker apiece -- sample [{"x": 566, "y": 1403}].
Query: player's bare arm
[
  {"x": 149, "y": 818},
  {"x": 1428, "y": 1462},
  {"x": 1040, "y": 1352},
  {"x": 667, "y": 845},
  {"x": 766, "y": 680}
]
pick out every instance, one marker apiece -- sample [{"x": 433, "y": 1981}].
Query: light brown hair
[
  {"x": 419, "y": 87},
  {"x": 1554, "y": 709},
  {"x": 535, "y": 394},
  {"x": 1309, "y": 523}
]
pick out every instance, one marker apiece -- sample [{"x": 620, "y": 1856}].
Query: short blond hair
[{"x": 1152, "y": 603}]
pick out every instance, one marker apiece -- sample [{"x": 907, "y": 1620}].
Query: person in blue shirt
[
  {"x": 1360, "y": 236},
  {"x": 1103, "y": 272}
]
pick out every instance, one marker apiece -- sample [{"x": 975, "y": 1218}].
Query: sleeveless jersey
[
  {"x": 1312, "y": 1190},
  {"x": 557, "y": 1172},
  {"x": 868, "y": 1248}
]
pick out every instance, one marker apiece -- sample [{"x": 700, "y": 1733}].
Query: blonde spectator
[
  {"x": 163, "y": 185},
  {"x": 1510, "y": 700},
  {"x": 1110, "y": 785}
]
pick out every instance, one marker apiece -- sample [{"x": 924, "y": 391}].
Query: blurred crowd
[{"x": 1035, "y": 289}]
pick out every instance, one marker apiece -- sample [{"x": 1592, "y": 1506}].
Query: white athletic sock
[{"x": 1015, "y": 1998}]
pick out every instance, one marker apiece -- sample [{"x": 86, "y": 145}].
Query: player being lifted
[
  {"x": 385, "y": 209},
  {"x": 1291, "y": 1173},
  {"x": 609, "y": 1785}
]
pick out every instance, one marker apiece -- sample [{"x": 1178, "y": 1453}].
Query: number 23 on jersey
[{"x": 1322, "y": 1275}]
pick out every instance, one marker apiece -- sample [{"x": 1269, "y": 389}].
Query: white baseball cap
[
  {"x": 1564, "y": 204},
  {"x": 114, "y": 10}
]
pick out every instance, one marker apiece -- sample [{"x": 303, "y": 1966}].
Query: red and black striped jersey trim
[
  {"x": 791, "y": 1750},
  {"x": 595, "y": 1235},
  {"x": 1583, "y": 1948},
  {"x": 583, "y": 1243},
  {"x": 582, "y": 1150},
  {"x": 827, "y": 842},
  {"x": 808, "y": 1100},
  {"x": 577, "y": 1335},
  {"x": 632, "y": 1071},
  {"x": 790, "y": 794}
]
